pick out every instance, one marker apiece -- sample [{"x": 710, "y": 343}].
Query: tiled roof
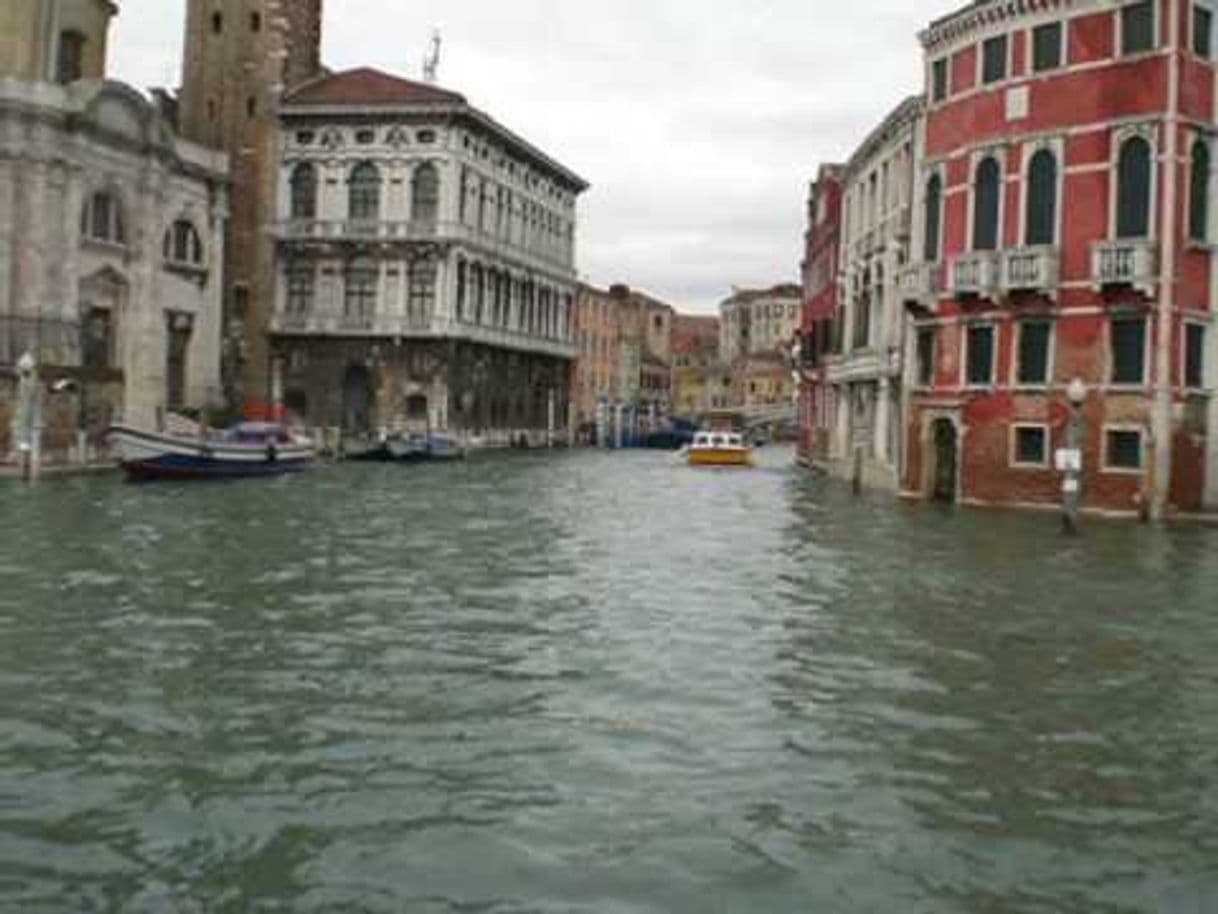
[{"x": 366, "y": 86}]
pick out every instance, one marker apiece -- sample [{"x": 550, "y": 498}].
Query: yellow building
[{"x": 54, "y": 40}]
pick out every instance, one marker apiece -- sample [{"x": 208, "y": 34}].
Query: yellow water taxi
[{"x": 720, "y": 449}]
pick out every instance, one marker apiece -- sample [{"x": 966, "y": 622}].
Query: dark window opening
[
  {"x": 1031, "y": 445},
  {"x": 980, "y": 369},
  {"x": 255, "y": 21},
  {"x": 1133, "y": 189},
  {"x": 1194, "y": 356},
  {"x": 70, "y": 63},
  {"x": 986, "y": 205},
  {"x": 1203, "y": 31},
  {"x": 994, "y": 59},
  {"x": 1124, "y": 450},
  {"x": 364, "y": 193},
  {"x": 98, "y": 339},
  {"x": 1047, "y": 47},
  {"x": 938, "y": 80},
  {"x": 182, "y": 244},
  {"x": 425, "y": 195},
  {"x": 251, "y": 106},
  {"x": 365, "y": 137},
  {"x": 1138, "y": 27},
  {"x": 934, "y": 198},
  {"x": 1199, "y": 191},
  {"x": 1128, "y": 350},
  {"x": 217, "y": 23},
  {"x": 304, "y": 191},
  {"x": 926, "y": 357},
  {"x": 300, "y": 287},
  {"x": 1034, "y": 339},
  {"x": 1041, "y": 226}
]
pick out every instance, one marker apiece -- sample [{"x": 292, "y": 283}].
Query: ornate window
[
  {"x": 98, "y": 338},
  {"x": 301, "y": 278},
  {"x": 182, "y": 244},
  {"x": 425, "y": 194},
  {"x": 364, "y": 193},
  {"x": 934, "y": 206},
  {"x": 1198, "y": 194},
  {"x": 1133, "y": 189},
  {"x": 304, "y": 191},
  {"x": 102, "y": 219},
  {"x": 422, "y": 289},
  {"x": 359, "y": 294},
  {"x": 1041, "y": 216},
  {"x": 461, "y": 288},
  {"x": 986, "y": 205}
]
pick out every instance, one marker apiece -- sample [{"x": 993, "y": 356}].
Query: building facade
[
  {"x": 596, "y": 385},
  {"x": 865, "y": 372},
  {"x": 111, "y": 237},
  {"x": 645, "y": 373},
  {"x": 425, "y": 264},
  {"x": 822, "y": 244},
  {"x": 757, "y": 329},
  {"x": 698, "y": 377},
  {"x": 240, "y": 58},
  {"x": 1065, "y": 230}
]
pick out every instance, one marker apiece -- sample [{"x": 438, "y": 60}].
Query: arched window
[
  {"x": 425, "y": 194},
  {"x": 304, "y": 191},
  {"x": 1133, "y": 189},
  {"x": 359, "y": 292},
  {"x": 102, "y": 219},
  {"x": 461, "y": 288},
  {"x": 182, "y": 244},
  {"x": 477, "y": 279},
  {"x": 364, "y": 193},
  {"x": 1198, "y": 193},
  {"x": 986, "y": 205},
  {"x": 934, "y": 206},
  {"x": 301, "y": 281},
  {"x": 1041, "y": 216}
]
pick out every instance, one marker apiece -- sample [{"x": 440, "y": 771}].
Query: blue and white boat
[{"x": 245, "y": 450}]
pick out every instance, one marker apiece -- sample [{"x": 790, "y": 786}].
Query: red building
[
  {"x": 1065, "y": 231},
  {"x": 821, "y": 244}
]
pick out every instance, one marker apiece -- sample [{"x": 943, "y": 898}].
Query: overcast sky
[{"x": 697, "y": 123}]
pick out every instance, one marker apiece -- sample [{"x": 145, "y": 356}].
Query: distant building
[
  {"x": 425, "y": 268},
  {"x": 757, "y": 329},
  {"x": 596, "y": 387},
  {"x": 698, "y": 376},
  {"x": 822, "y": 245},
  {"x": 111, "y": 233},
  {"x": 645, "y": 350},
  {"x": 865, "y": 371}
]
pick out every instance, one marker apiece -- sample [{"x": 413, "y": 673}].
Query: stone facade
[
  {"x": 700, "y": 382},
  {"x": 425, "y": 272},
  {"x": 757, "y": 329},
  {"x": 240, "y": 57},
  {"x": 822, "y": 246},
  {"x": 645, "y": 374},
  {"x": 111, "y": 249},
  {"x": 865, "y": 372},
  {"x": 596, "y": 383},
  {"x": 54, "y": 41}
]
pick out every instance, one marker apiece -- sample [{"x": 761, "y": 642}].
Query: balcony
[
  {"x": 919, "y": 284},
  {"x": 974, "y": 275},
  {"x": 1031, "y": 270},
  {"x": 1132, "y": 262}
]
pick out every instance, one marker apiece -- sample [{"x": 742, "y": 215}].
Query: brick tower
[{"x": 239, "y": 57}]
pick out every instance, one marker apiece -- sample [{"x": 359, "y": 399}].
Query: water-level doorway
[{"x": 943, "y": 481}]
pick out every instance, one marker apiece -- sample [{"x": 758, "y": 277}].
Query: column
[{"x": 883, "y": 416}]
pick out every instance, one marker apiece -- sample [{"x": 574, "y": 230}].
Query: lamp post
[{"x": 1070, "y": 460}]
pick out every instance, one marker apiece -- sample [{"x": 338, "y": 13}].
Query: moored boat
[
  {"x": 411, "y": 449},
  {"x": 720, "y": 449},
  {"x": 246, "y": 450}
]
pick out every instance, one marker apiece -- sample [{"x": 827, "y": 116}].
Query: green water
[{"x": 597, "y": 683}]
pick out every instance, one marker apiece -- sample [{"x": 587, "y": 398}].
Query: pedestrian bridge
[{"x": 757, "y": 416}]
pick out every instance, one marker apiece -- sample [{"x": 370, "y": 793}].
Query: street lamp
[{"x": 1070, "y": 460}]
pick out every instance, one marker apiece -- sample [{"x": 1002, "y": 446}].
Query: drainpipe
[{"x": 1161, "y": 424}]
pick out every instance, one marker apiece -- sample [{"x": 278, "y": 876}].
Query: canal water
[{"x": 597, "y": 683}]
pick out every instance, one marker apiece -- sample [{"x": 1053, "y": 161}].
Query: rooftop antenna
[{"x": 431, "y": 63}]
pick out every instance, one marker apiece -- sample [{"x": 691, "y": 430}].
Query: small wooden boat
[
  {"x": 720, "y": 449},
  {"x": 411, "y": 449},
  {"x": 245, "y": 450}
]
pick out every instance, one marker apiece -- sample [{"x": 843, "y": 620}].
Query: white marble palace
[
  {"x": 110, "y": 232},
  {"x": 426, "y": 271}
]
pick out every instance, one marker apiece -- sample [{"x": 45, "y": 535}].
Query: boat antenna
[{"x": 431, "y": 63}]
